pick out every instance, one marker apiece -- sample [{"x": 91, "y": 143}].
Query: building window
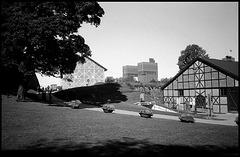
[
  {"x": 180, "y": 92},
  {"x": 223, "y": 91}
]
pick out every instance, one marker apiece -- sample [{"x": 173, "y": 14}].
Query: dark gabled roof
[
  {"x": 96, "y": 63},
  {"x": 229, "y": 68}
]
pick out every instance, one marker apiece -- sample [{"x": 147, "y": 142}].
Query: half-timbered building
[
  {"x": 202, "y": 78},
  {"x": 85, "y": 74}
]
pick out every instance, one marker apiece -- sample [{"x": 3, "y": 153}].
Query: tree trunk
[
  {"x": 22, "y": 83},
  {"x": 21, "y": 93}
]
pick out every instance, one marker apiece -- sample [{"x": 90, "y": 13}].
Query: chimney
[
  {"x": 151, "y": 60},
  {"x": 229, "y": 58}
]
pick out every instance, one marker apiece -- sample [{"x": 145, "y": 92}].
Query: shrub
[
  {"x": 75, "y": 104},
  {"x": 146, "y": 112},
  {"x": 187, "y": 118},
  {"x": 108, "y": 107},
  {"x": 109, "y": 79}
]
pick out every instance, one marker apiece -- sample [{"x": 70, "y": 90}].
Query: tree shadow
[
  {"x": 56, "y": 102},
  {"x": 93, "y": 95},
  {"x": 123, "y": 147},
  {"x": 90, "y": 96}
]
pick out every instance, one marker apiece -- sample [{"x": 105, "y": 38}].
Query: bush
[
  {"x": 146, "y": 112},
  {"x": 109, "y": 79},
  {"x": 187, "y": 118},
  {"x": 75, "y": 104},
  {"x": 108, "y": 107}
]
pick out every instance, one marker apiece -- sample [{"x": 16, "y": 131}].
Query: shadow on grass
[
  {"x": 94, "y": 95},
  {"x": 124, "y": 147},
  {"x": 33, "y": 97},
  {"x": 56, "y": 102}
]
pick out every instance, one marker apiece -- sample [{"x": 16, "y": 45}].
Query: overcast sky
[{"x": 132, "y": 32}]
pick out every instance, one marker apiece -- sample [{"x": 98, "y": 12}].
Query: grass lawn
[
  {"x": 33, "y": 127},
  {"x": 120, "y": 95}
]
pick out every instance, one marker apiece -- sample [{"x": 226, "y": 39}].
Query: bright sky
[{"x": 132, "y": 32}]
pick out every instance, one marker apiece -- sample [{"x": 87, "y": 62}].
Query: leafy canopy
[
  {"x": 42, "y": 35},
  {"x": 190, "y": 53}
]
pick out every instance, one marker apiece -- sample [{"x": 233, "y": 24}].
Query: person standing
[
  {"x": 38, "y": 90},
  {"x": 43, "y": 94},
  {"x": 50, "y": 96},
  {"x": 48, "y": 87}
]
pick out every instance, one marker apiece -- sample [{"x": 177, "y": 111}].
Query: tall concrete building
[
  {"x": 147, "y": 71},
  {"x": 144, "y": 71},
  {"x": 130, "y": 70}
]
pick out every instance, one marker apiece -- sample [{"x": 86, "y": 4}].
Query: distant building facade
[
  {"x": 86, "y": 74},
  {"x": 144, "y": 71},
  {"x": 130, "y": 70},
  {"x": 147, "y": 71}
]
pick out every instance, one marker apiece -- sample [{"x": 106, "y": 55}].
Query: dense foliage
[
  {"x": 191, "y": 52},
  {"x": 42, "y": 35},
  {"x": 109, "y": 79}
]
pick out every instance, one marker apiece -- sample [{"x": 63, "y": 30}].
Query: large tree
[
  {"x": 191, "y": 52},
  {"x": 42, "y": 36}
]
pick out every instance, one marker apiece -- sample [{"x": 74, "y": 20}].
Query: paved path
[{"x": 223, "y": 119}]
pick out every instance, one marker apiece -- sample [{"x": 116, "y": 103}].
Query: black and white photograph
[{"x": 124, "y": 78}]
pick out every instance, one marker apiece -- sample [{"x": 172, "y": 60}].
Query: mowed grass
[
  {"x": 100, "y": 94},
  {"x": 37, "y": 127},
  {"x": 120, "y": 95}
]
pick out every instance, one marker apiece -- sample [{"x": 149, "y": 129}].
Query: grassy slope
[
  {"x": 34, "y": 126},
  {"x": 100, "y": 94}
]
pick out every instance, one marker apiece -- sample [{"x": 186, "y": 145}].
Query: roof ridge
[{"x": 105, "y": 69}]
